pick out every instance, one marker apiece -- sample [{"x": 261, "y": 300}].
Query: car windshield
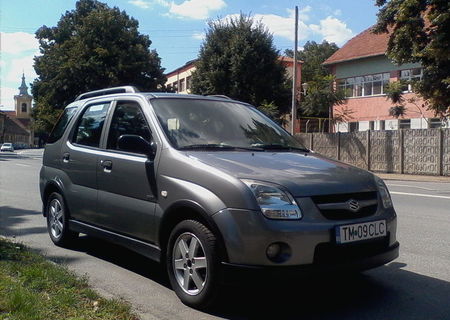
[
  {"x": 7, "y": 144},
  {"x": 220, "y": 125}
]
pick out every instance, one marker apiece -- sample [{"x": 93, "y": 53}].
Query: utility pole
[{"x": 294, "y": 76}]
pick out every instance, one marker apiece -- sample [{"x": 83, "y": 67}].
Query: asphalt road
[{"x": 415, "y": 286}]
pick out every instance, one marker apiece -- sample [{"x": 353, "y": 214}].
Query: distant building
[
  {"x": 15, "y": 126},
  {"x": 362, "y": 68},
  {"x": 180, "y": 78}
]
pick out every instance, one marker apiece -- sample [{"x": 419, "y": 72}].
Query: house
[
  {"x": 362, "y": 68},
  {"x": 15, "y": 125},
  {"x": 180, "y": 78}
]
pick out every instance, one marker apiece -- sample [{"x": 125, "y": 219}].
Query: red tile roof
[{"x": 366, "y": 44}]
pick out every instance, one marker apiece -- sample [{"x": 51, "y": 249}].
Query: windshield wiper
[
  {"x": 217, "y": 146},
  {"x": 279, "y": 147}
]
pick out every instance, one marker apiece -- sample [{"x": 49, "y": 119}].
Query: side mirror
[{"x": 136, "y": 144}]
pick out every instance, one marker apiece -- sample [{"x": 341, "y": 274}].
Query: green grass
[{"x": 32, "y": 288}]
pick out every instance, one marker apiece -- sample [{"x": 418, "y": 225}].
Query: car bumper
[
  {"x": 236, "y": 273},
  {"x": 312, "y": 240}
]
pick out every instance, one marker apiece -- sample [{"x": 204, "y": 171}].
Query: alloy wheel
[
  {"x": 56, "y": 218},
  {"x": 190, "y": 264}
]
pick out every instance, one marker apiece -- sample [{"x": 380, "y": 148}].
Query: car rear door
[
  {"x": 126, "y": 180},
  {"x": 79, "y": 161}
]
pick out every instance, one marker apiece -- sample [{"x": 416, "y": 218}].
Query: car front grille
[{"x": 347, "y": 205}]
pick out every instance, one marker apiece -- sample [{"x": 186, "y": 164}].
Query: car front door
[{"x": 126, "y": 180}]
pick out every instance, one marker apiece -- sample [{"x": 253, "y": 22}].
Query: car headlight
[
  {"x": 274, "y": 202},
  {"x": 384, "y": 193}
]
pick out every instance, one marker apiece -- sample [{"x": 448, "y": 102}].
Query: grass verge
[{"x": 32, "y": 288}]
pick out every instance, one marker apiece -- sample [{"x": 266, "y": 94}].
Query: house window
[
  {"x": 188, "y": 82},
  {"x": 24, "y": 107},
  {"x": 353, "y": 126},
  {"x": 175, "y": 86},
  {"x": 371, "y": 125},
  {"x": 409, "y": 76},
  {"x": 435, "y": 123},
  {"x": 369, "y": 85},
  {"x": 404, "y": 124},
  {"x": 182, "y": 85}
]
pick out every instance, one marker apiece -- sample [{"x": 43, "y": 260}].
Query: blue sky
[{"x": 176, "y": 27}]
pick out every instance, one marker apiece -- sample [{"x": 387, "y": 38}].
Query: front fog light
[
  {"x": 274, "y": 202},
  {"x": 278, "y": 252}
]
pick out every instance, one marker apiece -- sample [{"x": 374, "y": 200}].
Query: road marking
[
  {"x": 405, "y": 185},
  {"x": 22, "y": 165},
  {"x": 419, "y": 195}
]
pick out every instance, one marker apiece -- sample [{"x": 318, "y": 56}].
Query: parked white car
[{"x": 7, "y": 146}]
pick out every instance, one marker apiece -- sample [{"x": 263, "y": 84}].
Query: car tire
[
  {"x": 192, "y": 264},
  {"x": 58, "y": 221}
]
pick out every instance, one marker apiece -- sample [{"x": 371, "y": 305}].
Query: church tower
[{"x": 23, "y": 101}]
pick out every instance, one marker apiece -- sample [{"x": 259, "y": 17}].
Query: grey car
[{"x": 209, "y": 187}]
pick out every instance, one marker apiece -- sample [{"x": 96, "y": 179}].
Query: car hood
[{"x": 303, "y": 174}]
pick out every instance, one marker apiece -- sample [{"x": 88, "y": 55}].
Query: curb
[{"x": 417, "y": 178}]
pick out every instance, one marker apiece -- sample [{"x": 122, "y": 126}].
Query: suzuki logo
[{"x": 353, "y": 205}]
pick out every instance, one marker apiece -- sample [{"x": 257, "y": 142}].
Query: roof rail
[
  {"x": 219, "y": 96},
  {"x": 104, "y": 92}
]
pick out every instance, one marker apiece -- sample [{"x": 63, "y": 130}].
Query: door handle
[
  {"x": 66, "y": 157},
  {"x": 107, "y": 165}
]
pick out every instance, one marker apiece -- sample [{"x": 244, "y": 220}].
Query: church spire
[{"x": 23, "y": 89}]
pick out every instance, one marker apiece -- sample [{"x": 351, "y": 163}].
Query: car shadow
[
  {"x": 388, "y": 292},
  {"x": 121, "y": 257}
]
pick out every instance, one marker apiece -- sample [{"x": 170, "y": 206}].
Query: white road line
[
  {"x": 408, "y": 186},
  {"x": 22, "y": 165},
  {"x": 419, "y": 195}
]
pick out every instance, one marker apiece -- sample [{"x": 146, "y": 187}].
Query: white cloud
[
  {"x": 333, "y": 30},
  {"x": 337, "y": 12},
  {"x": 7, "y": 97},
  {"x": 17, "y": 66},
  {"x": 18, "y": 42},
  {"x": 199, "y": 36},
  {"x": 196, "y": 9},
  {"x": 148, "y": 4},
  {"x": 280, "y": 26},
  {"x": 140, "y": 3}
]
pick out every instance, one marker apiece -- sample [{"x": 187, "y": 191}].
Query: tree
[
  {"x": 238, "y": 59},
  {"x": 313, "y": 55},
  {"x": 420, "y": 32},
  {"x": 321, "y": 96},
  {"x": 92, "y": 47}
]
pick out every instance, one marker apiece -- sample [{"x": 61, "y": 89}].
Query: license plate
[{"x": 360, "y": 231}]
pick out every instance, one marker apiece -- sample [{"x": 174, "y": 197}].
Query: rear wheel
[
  {"x": 58, "y": 221},
  {"x": 192, "y": 263}
]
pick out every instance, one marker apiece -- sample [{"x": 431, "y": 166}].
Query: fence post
[
  {"x": 441, "y": 153},
  {"x": 368, "y": 150},
  {"x": 402, "y": 151},
  {"x": 311, "y": 141},
  {"x": 338, "y": 146}
]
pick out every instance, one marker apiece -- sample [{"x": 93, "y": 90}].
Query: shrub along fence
[{"x": 412, "y": 151}]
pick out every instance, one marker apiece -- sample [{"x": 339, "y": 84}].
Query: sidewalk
[{"x": 410, "y": 177}]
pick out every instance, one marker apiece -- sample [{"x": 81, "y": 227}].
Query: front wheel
[
  {"x": 192, "y": 263},
  {"x": 58, "y": 221}
]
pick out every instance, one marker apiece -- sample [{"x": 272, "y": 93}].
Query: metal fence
[{"x": 414, "y": 151}]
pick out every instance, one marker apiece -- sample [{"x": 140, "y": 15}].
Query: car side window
[
  {"x": 127, "y": 119},
  {"x": 90, "y": 125},
  {"x": 61, "y": 125}
]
